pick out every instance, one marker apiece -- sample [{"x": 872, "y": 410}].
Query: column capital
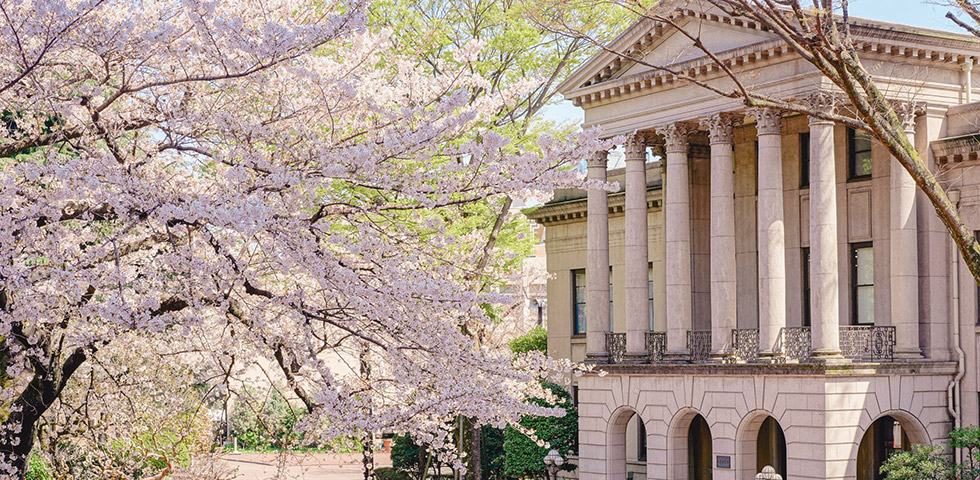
[
  {"x": 907, "y": 111},
  {"x": 821, "y": 101},
  {"x": 768, "y": 120},
  {"x": 721, "y": 127},
  {"x": 598, "y": 158},
  {"x": 676, "y": 136},
  {"x": 636, "y": 147}
]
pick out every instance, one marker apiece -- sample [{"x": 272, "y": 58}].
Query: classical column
[
  {"x": 771, "y": 229},
  {"x": 637, "y": 257},
  {"x": 597, "y": 268},
  {"x": 824, "y": 279},
  {"x": 677, "y": 216},
  {"x": 904, "y": 257},
  {"x": 723, "y": 300}
]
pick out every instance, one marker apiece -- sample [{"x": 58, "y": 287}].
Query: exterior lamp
[{"x": 553, "y": 462}]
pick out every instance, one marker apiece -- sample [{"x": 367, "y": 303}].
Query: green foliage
[
  {"x": 921, "y": 463},
  {"x": 933, "y": 462},
  {"x": 389, "y": 473},
  {"x": 493, "y": 453},
  {"x": 406, "y": 455},
  {"x": 38, "y": 469},
  {"x": 523, "y": 456},
  {"x": 535, "y": 340},
  {"x": 262, "y": 424}
]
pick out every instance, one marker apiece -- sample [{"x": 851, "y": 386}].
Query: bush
[
  {"x": 260, "y": 424},
  {"x": 534, "y": 340},
  {"x": 523, "y": 457},
  {"x": 388, "y": 473},
  {"x": 38, "y": 469}
]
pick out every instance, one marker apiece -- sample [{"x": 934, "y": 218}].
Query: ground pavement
[{"x": 296, "y": 466}]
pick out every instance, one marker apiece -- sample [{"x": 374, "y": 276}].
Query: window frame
[
  {"x": 804, "y": 159},
  {"x": 650, "y": 315},
  {"x": 805, "y": 320},
  {"x": 576, "y": 303},
  {"x": 854, "y": 281},
  {"x": 852, "y": 156}
]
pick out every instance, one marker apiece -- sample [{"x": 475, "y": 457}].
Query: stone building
[{"x": 765, "y": 288}]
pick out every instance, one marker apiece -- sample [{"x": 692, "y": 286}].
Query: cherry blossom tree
[{"x": 253, "y": 181}]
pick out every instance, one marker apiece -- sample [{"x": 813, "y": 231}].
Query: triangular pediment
[
  {"x": 675, "y": 48},
  {"x": 659, "y": 43}
]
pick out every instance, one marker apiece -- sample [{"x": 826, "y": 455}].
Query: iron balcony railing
[
  {"x": 868, "y": 343},
  {"x": 858, "y": 343},
  {"x": 699, "y": 345},
  {"x": 616, "y": 347},
  {"x": 656, "y": 346},
  {"x": 745, "y": 344}
]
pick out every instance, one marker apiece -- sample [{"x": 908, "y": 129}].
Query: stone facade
[{"x": 823, "y": 297}]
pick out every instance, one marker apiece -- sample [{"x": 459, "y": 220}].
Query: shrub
[
  {"x": 38, "y": 469},
  {"x": 388, "y": 473},
  {"x": 523, "y": 456},
  {"x": 534, "y": 340}
]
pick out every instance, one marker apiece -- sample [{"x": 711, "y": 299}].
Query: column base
[
  {"x": 597, "y": 357},
  {"x": 681, "y": 356},
  {"x": 772, "y": 358},
  {"x": 637, "y": 358},
  {"x": 721, "y": 357},
  {"x": 914, "y": 354},
  {"x": 829, "y": 357}
]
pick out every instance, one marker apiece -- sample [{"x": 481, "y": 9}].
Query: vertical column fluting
[
  {"x": 903, "y": 251},
  {"x": 597, "y": 267},
  {"x": 637, "y": 256},
  {"x": 724, "y": 303},
  {"x": 824, "y": 277},
  {"x": 677, "y": 216},
  {"x": 771, "y": 229}
]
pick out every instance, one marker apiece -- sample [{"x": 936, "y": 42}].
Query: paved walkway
[{"x": 299, "y": 466}]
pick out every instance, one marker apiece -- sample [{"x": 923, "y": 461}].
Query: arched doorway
[
  {"x": 770, "y": 447},
  {"x": 699, "y": 449},
  {"x": 886, "y": 436},
  {"x": 626, "y": 445}
]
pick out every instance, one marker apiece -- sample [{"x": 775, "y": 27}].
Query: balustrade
[
  {"x": 616, "y": 347},
  {"x": 656, "y": 346},
  {"x": 868, "y": 343},
  {"x": 745, "y": 344},
  {"x": 699, "y": 345}
]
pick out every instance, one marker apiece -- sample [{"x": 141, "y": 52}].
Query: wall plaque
[{"x": 723, "y": 461}]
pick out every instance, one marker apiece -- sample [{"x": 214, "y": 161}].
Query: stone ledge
[{"x": 810, "y": 369}]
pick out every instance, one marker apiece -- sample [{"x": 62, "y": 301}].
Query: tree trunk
[
  {"x": 17, "y": 431},
  {"x": 476, "y": 451}
]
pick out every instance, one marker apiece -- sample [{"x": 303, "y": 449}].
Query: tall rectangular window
[
  {"x": 805, "y": 160},
  {"x": 858, "y": 154},
  {"x": 578, "y": 302},
  {"x": 650, "y": 295},
  {"x": 611, "y": 299},
  {"x": 863, "y": 283},
  {"x": 806, "y": 286}
]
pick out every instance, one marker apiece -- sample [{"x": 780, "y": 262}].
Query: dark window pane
[
  {"x": 804, "y": 159},
  {"x": 859, "y": 153}
]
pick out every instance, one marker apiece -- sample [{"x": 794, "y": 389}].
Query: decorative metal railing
[
  {"x": 794, "y": 343},
  {"x": 858, "y": 343},
  {"x": 868, "y": 344},
  {"x": 656, "y": 346},
  {"x": 745, "y": 344},
  {"x": 699, "y": 345},
  {"x": 616, "y": 347}
]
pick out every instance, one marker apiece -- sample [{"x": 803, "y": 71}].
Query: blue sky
[{"x": 919, "y": 13}]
